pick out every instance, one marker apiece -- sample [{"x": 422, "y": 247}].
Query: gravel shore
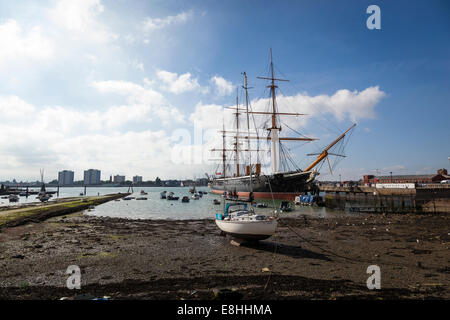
[{"x": 308, "y": 258}]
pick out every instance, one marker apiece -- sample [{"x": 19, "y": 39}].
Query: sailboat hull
[
  {"x": 248, "y": 230},
  {"x": 284, "y": 185}
]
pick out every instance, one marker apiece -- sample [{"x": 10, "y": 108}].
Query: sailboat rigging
[{"x": 239, "y": 220}]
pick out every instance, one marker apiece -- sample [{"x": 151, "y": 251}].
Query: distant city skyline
[
  {"x": 67, "y": 177},
  {"x": 116, "y": 86}
]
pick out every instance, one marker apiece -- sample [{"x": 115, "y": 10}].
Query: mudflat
[{"x": 308, "y": 258}]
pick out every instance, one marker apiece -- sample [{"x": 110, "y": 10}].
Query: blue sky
[{"x": 113, "y": 85}]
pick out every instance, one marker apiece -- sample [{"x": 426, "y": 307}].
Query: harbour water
[{"x": 156, "y": 208}]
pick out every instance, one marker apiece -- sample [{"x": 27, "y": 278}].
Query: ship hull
[{"x": 284, "y": 186}]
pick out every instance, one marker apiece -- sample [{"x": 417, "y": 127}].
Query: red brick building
[{"x": 411, "y": 178}]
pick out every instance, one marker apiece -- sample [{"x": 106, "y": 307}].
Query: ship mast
[
  {"x": 275, "y": 129},
  {"x": 236, "y": 147},
  {"x": 223, "y": 150},
  {"x": 224, "y": 156},
  {"x": 248, "y": 130}
]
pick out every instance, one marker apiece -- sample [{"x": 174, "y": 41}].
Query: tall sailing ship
[{"x": 279, "y": 183}]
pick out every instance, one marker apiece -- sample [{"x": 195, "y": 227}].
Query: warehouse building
[{"x": 410, "y": 178}]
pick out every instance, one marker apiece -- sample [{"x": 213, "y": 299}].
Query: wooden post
[{"x": 434, "y": 201}]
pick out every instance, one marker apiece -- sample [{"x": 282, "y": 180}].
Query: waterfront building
[
  {"x": 91, "y": 176},
  {"x": 137, "y": 179},
  {"x": 119, "y": 179},
  {"x": 410, "y": 178},
  {"x": 65, "y": 178}
]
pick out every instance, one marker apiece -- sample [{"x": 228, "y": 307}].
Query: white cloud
[
  {"x": 159, "y": 23},
  {"x": 17, "y": 44},
  {"x": 58, "y": 137},
  {"x": 343, "y": 105},
  {"x": 177, "y": 83},
  {"x": 142, "y": 102},
  {"x": 223, "y": 87},
  {"x": 79, "y": 18},
  {"x": 209, "y": 116},
  {"x": 146, "y": 153},
  {"x": 353, "y": 104},
  {"x": 208, "y": 121},
  {"x": 14, "y": 107},
  {"x": 66, "y": 121},
  {"x": 64, "y": 138},
  {"x": 120, "y": 87},
  {"x": 90, "y": 57},
  {"x": 137, "y": 65}
]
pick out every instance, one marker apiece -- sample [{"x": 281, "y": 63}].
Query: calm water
[{"x": 156, "y": 208}]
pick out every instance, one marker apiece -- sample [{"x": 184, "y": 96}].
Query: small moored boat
[
  {"x": 13, "y": 198},
  {"x": 44, "y": 197},
  {"x": 240, "y": 222},
  {"x": 195, "y": 196},
  {"x": 260, "y": 205},
  {"x": 171, "y": 196},
  {"x": 285, "y": 206}
]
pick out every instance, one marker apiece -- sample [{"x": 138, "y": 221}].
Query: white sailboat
[
  {"x": 243, "y": 223},
  {"x": 43, "y": 196},
  {"x": 240, "y": 221}
]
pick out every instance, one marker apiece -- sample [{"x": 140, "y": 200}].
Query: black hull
[{"x": 286, "y": 182}]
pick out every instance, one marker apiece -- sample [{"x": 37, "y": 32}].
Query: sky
[{"x": 141, "y": 87}]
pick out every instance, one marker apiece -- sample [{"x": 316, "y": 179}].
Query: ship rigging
[{"x": 282, "y": 182}]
